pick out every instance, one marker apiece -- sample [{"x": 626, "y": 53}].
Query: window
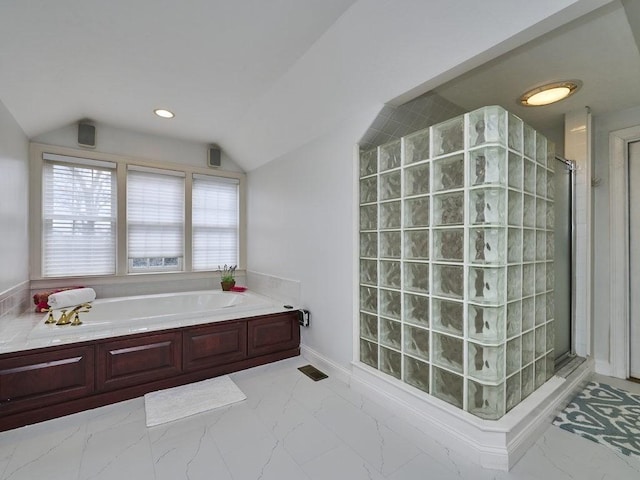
[
  {"x": 155, "y": 220},
  {"x": 78, "y": 217},
  {"x": 98, "y": 214},
  {"x": 215, "y": 222}
]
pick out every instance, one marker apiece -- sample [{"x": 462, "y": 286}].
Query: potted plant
[{"x": 227, "y": 277}]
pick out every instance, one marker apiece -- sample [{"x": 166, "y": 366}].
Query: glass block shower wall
[{"x": 456, "y": 260}]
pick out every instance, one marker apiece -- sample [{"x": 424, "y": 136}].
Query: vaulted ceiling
[
  {"x": 599, "y": 49},
  {"x": 258, "y": 77}
]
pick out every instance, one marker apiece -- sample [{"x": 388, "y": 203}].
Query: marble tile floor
[{"x": 289, "y": 428}]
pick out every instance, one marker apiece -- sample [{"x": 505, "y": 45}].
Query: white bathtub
[{"x": 126, "y": 315}]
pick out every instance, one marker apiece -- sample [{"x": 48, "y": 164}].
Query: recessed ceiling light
[
  {"x": 161, "y": 112},
  {"x": 550, "y": 93}
]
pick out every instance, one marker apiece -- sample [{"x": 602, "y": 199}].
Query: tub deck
[
  {"x": 114, "y": 317},
  {"x": 66, "y": 369}
]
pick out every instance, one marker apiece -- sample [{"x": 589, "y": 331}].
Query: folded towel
[
  {"x": 70, "y": 298},
  {"x": 40, "y": 299}
]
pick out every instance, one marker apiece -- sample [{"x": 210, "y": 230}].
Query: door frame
[
  {"x": 570, "y": 166},
  {"x": 619, "y": 318}
]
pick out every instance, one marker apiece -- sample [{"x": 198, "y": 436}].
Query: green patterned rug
[{"x": 606, "y": 415}]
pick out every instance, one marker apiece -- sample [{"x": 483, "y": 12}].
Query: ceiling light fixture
[
  {"x": 550, "y": 93},
  {"x": 161, "y": 112}
]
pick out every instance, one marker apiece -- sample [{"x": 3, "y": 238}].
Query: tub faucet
[
  {"x": 65, "y": 318},
  {"x": 50, "y": 318}
]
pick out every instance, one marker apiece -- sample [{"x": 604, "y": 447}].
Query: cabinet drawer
[
  {"x": 134, "y": 361},
  {"x": 40, "y": 379},
  {"x": 273, "y": 334},
  {"x": 214, "y": 345}
]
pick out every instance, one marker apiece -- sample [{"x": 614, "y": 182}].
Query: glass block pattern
[{"x": 456, "y": 260}]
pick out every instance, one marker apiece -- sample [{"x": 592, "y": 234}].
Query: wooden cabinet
[
  {"x": 272, "y": 334},
  {"x": 136, "y": 360},
  {"x": 31, "y": 380},
  {"x": 56, "y": 381},
  {"x": 214, "y": 345}
]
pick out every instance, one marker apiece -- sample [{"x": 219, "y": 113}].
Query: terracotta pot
[{"x": 226, "y": 286}]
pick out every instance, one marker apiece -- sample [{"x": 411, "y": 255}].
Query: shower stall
[{"x": 456, "y": 290}]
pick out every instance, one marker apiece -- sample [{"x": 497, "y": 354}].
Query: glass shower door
[{"x": 563, "y": 234}]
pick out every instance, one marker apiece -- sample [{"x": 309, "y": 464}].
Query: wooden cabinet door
[
  {"x": 214, "y": 345},
  {"x": 39, "y": 379},
  {"x": 273, "y": 334},
  {"x": 138, "y": 360}
]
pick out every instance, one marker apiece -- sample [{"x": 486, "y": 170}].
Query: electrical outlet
[{"x": 304, "y": 317}]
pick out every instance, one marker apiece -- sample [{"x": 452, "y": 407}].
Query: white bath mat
[{"x": 174, "y": 403}]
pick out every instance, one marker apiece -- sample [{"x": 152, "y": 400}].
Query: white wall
[
  {"x": 300, "y": 218},
  {"x": 601, "y": 283},
  {"x": 14, "y": 204},
  {"x": 110, "y": 139},
  {"x": 578, "y": 147},
  {"x": 381, "y": 50},
  {"x": 301, "y": 214}
]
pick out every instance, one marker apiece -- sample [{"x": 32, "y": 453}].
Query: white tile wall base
[
  {"x": 278, "y": 288},
  {"x": 492, "y": 444},
  {"x": 131, "y": 285},
  {"x": 14, "y": 301}
]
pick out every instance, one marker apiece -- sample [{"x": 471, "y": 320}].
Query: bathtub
[
  {"x": 131, "y": 346},
  {"x": 127, "y": 315}
]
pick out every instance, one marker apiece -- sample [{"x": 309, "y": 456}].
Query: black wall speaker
[
  {"x": 86, "y": 135},
  {"x": 214, "y": 156}
]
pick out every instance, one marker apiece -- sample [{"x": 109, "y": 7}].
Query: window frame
[
  {"x": 122, "y": 163},
  {"x": 74, "y": 174},
  {"x": 176, "y": 177},
  {"x": 198, "y": 229}
]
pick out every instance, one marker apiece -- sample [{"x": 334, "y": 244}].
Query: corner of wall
[{"x": 14, "y": 204}]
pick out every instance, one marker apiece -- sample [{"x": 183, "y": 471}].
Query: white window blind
[
  {"x": 155, "y": 220},
  {"x": 215, "y": 222},
  {"x": 78, "y": 217}
]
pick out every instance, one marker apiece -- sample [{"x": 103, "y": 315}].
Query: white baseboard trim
[
  {"x": 448, "y": 425},
  {"x": 603, "y": 367},
  {"x": 492, "y": 444},
  {"x": 328, "y": 366},
  {"x": 547, "y": 408}
]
